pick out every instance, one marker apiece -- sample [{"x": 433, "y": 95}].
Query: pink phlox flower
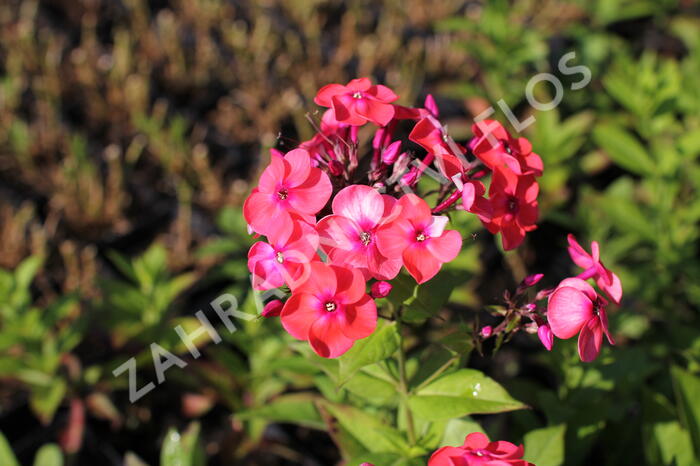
[
  {"x": 594, "y": 268},
  {"x": 477, "y": 450},
  {"x": 358, "y": 102},
  {"x": 494, "y": 146}
]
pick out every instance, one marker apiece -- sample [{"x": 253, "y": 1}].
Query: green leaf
[
  {"x": 296, "y": 408},
  {"x": 457, "y": 430},
  {"x": 44, "y": 400},
  {"x": 461, "y": 393},
  {"x": 664, "y": 439},
  {"x": 624, "y": 149},
  {"x": 687, "y": 390},
  {"x": 7, "y": 457},
  {"x": 182, "y": 450},
  {"x": 368, "y": 430},
  {"x": 545, "y": 447},
  {"x": 27, "y": 270},
  {"x": 49, "y": 455},
  {"x": 376, "y": 347}
]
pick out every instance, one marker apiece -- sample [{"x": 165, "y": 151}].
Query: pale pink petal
[
  {"x": 590, "y": 340},
  {"x": 363, "y": 204},
  {"x": 568, "y": 310},
  {"x": 381, "y": 267},
  {"x": 339, "y": 232},
  {"x": 437, "y": 226}
]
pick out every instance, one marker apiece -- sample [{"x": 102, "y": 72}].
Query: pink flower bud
[
  {"x": 543, "y": 294},
  {"x": 431, "y": 106},
  {"x": 378, "y": 138},
  {"x": 486, "y": 331},
  {"x": 273, "y": 308},
  {"x": 335, "y": 168},
  {"x": 391, "y": 153},
  {"x": 545, "y": 335},
  {"x": 410, "y": 178},
  {"x": 380, "y": 289},
  {"x": 531, "y": 280},
  {"x": 530, "y": 307}
]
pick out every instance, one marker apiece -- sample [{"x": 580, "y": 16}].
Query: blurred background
[{"x": 131, "y": 131}]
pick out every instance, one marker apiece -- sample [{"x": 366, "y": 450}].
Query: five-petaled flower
[
  {"x": 289, "y": 190},
  {"x": 478, "y": 451},
  {"x": 358, "y": 102},
  {"x": 330, "y": 310},
  {"x": 350, "y": 236},
  {"x": 419, "y": 237},
  {"x": 574, "y": 307}
]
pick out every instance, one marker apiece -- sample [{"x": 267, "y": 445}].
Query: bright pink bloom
[
  {"x": 478, "y": 451},
  {"x": 380, "y": 289},
  {"x": 285, "y": 258},
  {"x": 419, "y": 237},
  {"x": 288, "y": 188},
  {"x": 497, "y": 149},
  {"x": 575, "y": 307},
  {"x": 358, "y": 102},
  {"x": 273, "y": 308},
  {"x": 350, "y": 235},
  {"x": 331, "y": 310},
  {"x": 544, "y": 333},
  {"x": 513, "y": 204},
  {"x": 594, "y": 268}
]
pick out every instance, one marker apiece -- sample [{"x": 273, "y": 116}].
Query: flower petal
[
  {"x": 359, "y": 320},
  {"x": 446, "y": 247},
  {"x": 363, "y": 204},
  {"x": 327, "y": 92},
  {"x": 327, "y": 339},
  {"x": 298, "y": 314},
  {"x": 590, "y": 340},
  {"x": 420, "y": 264},
  {"x": 568, "y": 310}
]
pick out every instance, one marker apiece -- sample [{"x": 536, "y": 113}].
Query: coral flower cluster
[
  {"x": 343, "y": 213},
  {"x": 477, "y": 450}
]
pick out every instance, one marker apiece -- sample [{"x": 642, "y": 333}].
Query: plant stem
[
  {"x": 438, "y": 372},
  {"x": 403, "y": 386}
]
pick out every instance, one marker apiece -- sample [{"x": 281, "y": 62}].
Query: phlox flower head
[
  {"x": 575, "y": 308},
  {"x": 477, "y": 450},
  {"x": 330, "y": 310}
]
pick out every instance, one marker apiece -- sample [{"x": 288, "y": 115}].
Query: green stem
[
  {"x": 437, "y": 373},
  {"x": 403, "y": 387}
]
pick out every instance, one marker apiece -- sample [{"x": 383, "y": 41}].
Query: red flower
[
  {"x": 575, "y": 307},
  {"x": 497, "y": 149},
  {"x": 285, "y": 258},
  {"x": 289, "y": 189},
  {"x": 478, "y": 451},
  {"x": 420, "y": 238},
  {"x": 358, "y": 102},
  {"x": 331, "y": 310},
  {"x": 594, "y": 268},
  {"x": 350, "y": 235},
  {"x": 511, "y": 208}
]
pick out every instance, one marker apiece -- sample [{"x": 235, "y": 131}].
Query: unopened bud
[
  {"x": 273, "y": 308},
  {"x": 545, "y": 335},
  {"x": 335, "y": 168},
  {"x": 391, "y": 153},
  {"x": 380, "y": 289},
  {"x": 431, "y": 106},
  {"x": 486, "y": 331}
]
